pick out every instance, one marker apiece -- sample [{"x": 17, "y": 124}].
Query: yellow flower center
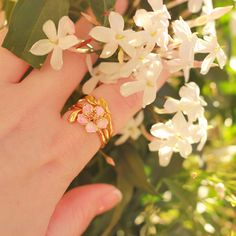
[
  {"x": 55, "y": 41},
  {"x": 150, "y": 84},
  {"x": 154, "y": 33},
  {"x": 120, "y": 36}
]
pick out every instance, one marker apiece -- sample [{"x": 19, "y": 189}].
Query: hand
[{"x": 41, "y": 153}]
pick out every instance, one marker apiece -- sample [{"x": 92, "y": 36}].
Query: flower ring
[{"x": 95, "y": 115}]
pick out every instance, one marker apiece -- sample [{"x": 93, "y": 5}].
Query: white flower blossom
[
  {"x": 178, "y": 134},
  {"x": 191, "y": 103},
  {"x": 114, "y": 36},
  {"x": 155, "y": 24},
  {"x": 105, "y": 72},
  {"x": 173, "y": 136},
  {"x": 145, "y": 81},
  {"x": 131, "y": 130},
  {"x": 195, "y": 6},
  {"x": 187, "y": 40},
  {"x": 57, "y": 41},
  {"x": 210, "y": 45}
]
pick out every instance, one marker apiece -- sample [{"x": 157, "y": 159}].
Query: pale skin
[{"x": 41, "y": 153}]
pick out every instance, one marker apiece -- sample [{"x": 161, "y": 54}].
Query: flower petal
[
  {"x": 90, "y": 85},
  {"x": 50, "y": 30},
  {"x": 65, "y": 27},
  {"x": 180, "y": 124},
  {"x": 57, "y": 58},
  {"x": 68, "y": 42},
  {"x": 156, "y": 4},
  {"x": 42, "y": 47},
  {"x": 99, "y": 111},
  {"x": 102, "y": 123},
  {"x": 109, "y": 49},
  {"x": 185, "y": 148},
  {"x": 195, "y": 5},
  {"x": 149, "y": 95},
  {"x": 207, "y": 63},
  {"x": 116, "y": 22},
  {"x": 130, "y": 88},
  {"x": 221, "y": 58},
  {"x": 102, "y": 34},
  {"x": 171, "y": 105},
  {"x": 91, "y": 127},
  {"x": 155, "y": 145},
  {"x": 219, "y": 12},
  {"x": 109, "y": 68},
  {"x": 165, "y": 154},
  {"x": 161, "y": 131},
  {"x": 127, "y": 48},
  {"x": 142, "y": 18},
  {"x": 82, "y": 119},
  {"x": 87, "y": 109}
]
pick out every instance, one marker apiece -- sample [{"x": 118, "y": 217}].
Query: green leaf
[
  {"x": 26, "y": 26},
  {"x": 133, "y": 166},
  {"x": 8, "y": 7},
  {"x": 101, "y": 9}
]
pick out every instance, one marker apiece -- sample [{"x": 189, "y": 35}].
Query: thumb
[{"x": 79, "y": 206}]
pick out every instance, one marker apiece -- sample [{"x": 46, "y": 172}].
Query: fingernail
[{"x": 110, "y": 200}]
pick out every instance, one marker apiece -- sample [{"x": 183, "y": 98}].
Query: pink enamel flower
[{"x": 92, "y": 118}]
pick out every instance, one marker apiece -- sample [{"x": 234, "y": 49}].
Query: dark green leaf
[
  {"x": 26, "y": 26},
  {"x": 134, "y": 167},
  {"x": 8, "y": 7},
  {"x": 101, "y": 9}
]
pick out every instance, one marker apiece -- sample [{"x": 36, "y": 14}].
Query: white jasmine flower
[
  {"x": 209, "y": 15},
  {"x": 160, "y": 11},
  {"x": 172, "y": 136},
  {"x": 131, "y": 130},
  {"x": 146, "y": 81},
  {"x": 96, "y": 74},
  {"x": 105, "y": 72},
  {"x": 187, "y": 40},
  {"x": 210, "y": 45},
  {"x": 185, "y": 60},
  {"x": 57, "y": 41},
  {"x": 155, "y": 24},
  {"x": 191, "y": 103},
  {"x": 141, "y": 57},
  {"x": 195, "y": 5},
  {"x": 182, "y": 30},
  {"x": 114, "y": 36},
  {"x": 210, "y": 27}
]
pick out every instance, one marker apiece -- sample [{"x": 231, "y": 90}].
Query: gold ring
[{"x": 95, "y": 115}]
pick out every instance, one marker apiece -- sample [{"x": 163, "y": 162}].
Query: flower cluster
[
  {"x": 155, "y": 46},
  {"x": 187, "y": 127}
]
